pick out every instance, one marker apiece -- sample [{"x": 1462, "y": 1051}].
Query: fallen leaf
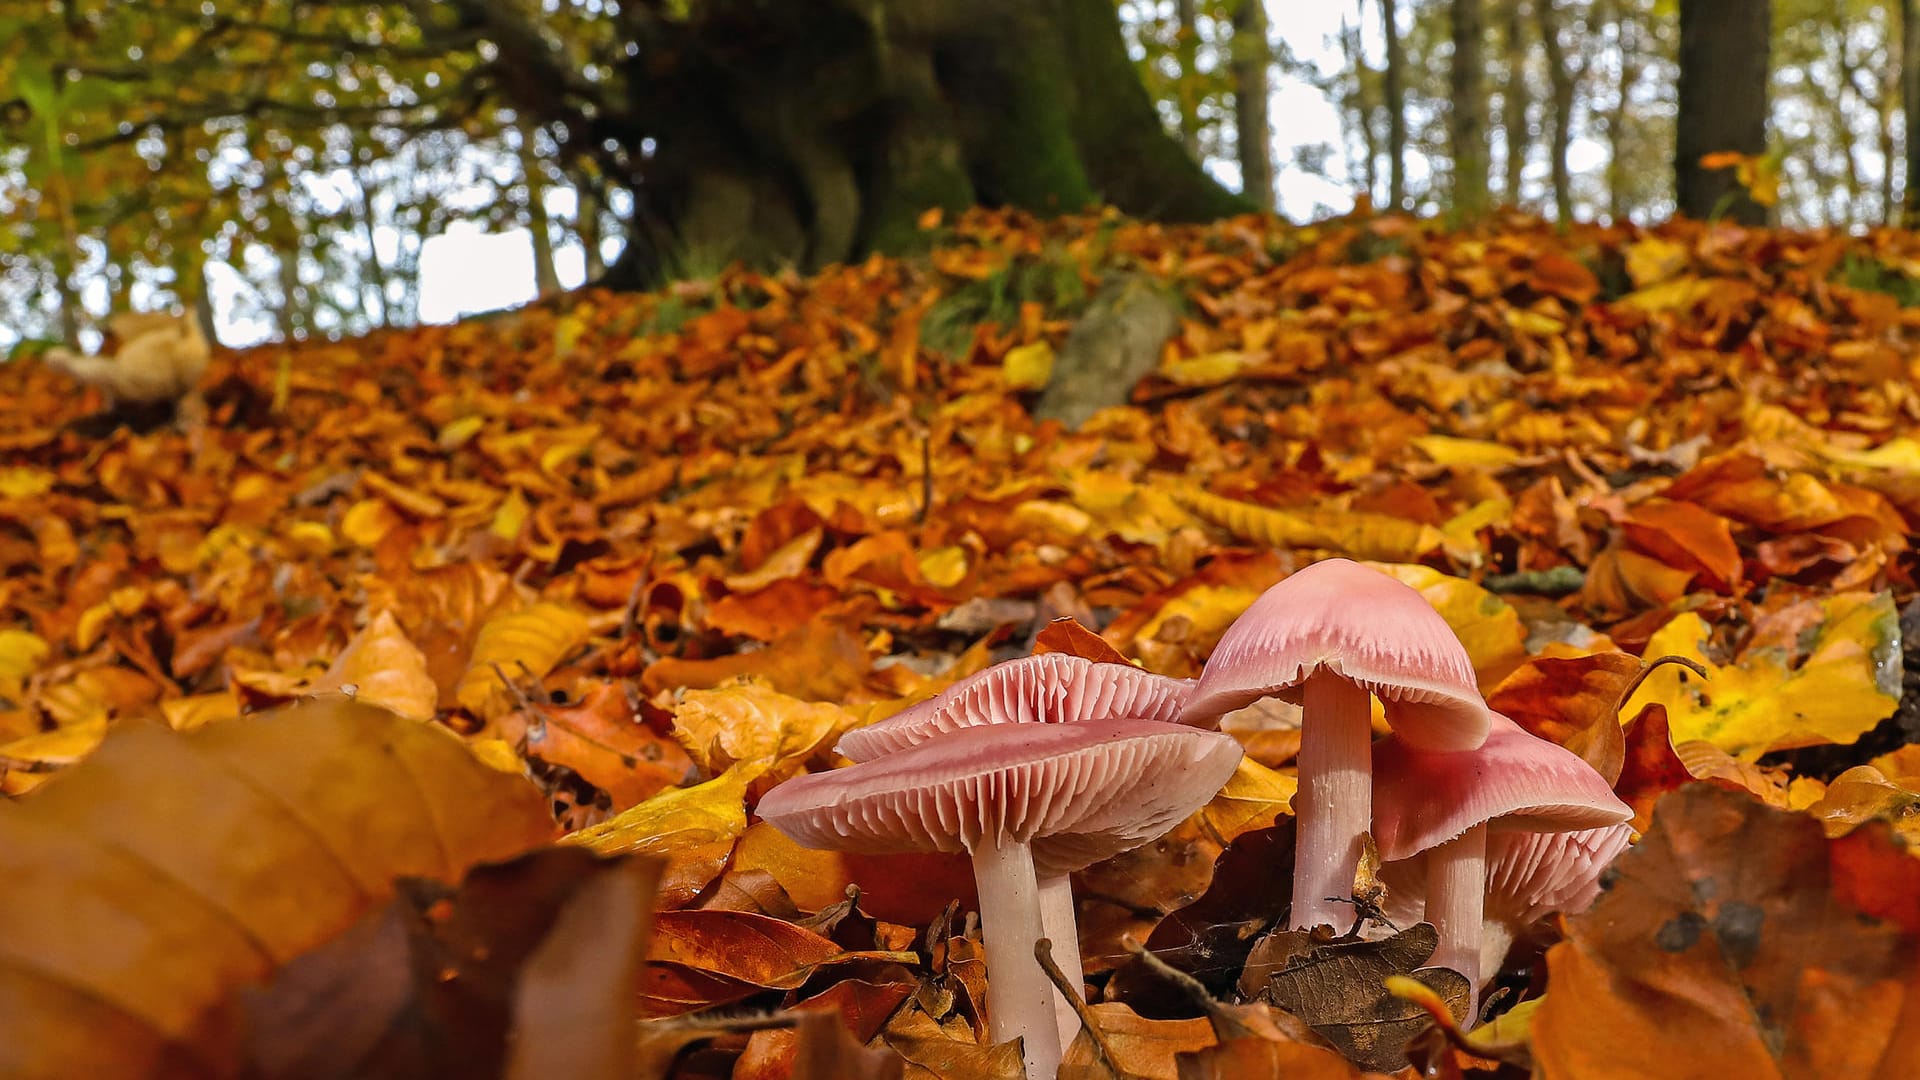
[
  {"x": 525, "y": 643},
  {"x": 1732, "y": 942},
  {"x": 243, "y": 844},
  {"x": 1573, "y": 701},
  {"x": 1848, "y": 682},
  {"x": 384, "y": 669},
  {"x": 1487, "y": 626},
  {"x": 1339, "y": 989}
]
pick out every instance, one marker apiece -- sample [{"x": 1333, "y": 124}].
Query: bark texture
[
  {"x": 812, "y": 133},
  {"x": 1394, "y": 89},
  {"x": 1724, "y": 50},
  {"x": 1251, "y": 58},
  {"x": 1910, "y": 99},
  {"x": 1467, "y": 122},
  {"x": 1563, "y": 78}
]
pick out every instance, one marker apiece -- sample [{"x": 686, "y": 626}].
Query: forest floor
[{"x": 648, "y": 556}]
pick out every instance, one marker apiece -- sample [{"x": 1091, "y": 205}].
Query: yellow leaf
[
  {"x": 1848, "y": 683},
  {"x": 1028, "y": 367},
  {"x": 309, "y": 537},
  {"x": 511, "y": 517},
  {"x": 1488, "y": 626},
  {"x": 1653, "y": 260},
  {"x": 1207, "y": 611},
  {"x": 1209, "y": 370},
  {"x": 524, "y": 644},
  {"x": 63, "y": 745},
  {"x": 753, "y": 725},
  {"x": 1898, "y": 455},
  {"x": 459, "y": 432},
  {"x": 1678, "y": 295},
  {"x": 1450, "y": 451},
  {"x": 1359, "y": 534},
  {"x": 1252, "y": 798},
  {"x": 944, "y": 567},
  {"x": 187, "y": 713},
  {"x": 1534, "y": 323},
  {"x": 368, "y": 520},
  {"x": 20, "y": 482},
  {"x": 20, "y": 656},
  {"x": 674, "y": 820}
]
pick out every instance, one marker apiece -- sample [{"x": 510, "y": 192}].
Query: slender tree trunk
[
  {"x": 1252, "y": 56},
  {"x": 1363, "y": 105},
  {"x": 1840, "y": 118},
  {"x": 587, "y": 224},
  {"x": 1516, "y": 100},
  {"x": 1563, "y": 79},
  {"x": 1393, "y": 89},
  {"x": 1724, "y": 51},
  {"x": 1186, "y": 51},
  {"x": 1467, "y": 126},
  {"x": 1910, "y": 104},
  {"x": 376, "y": 270},
  {"x": 546, "y": 281},
  {"x": 1627, "y": 40}
]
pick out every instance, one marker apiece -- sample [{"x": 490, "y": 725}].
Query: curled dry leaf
[
  {"x": 754, "y": 725},
  {"x": 242, "y": 844},
  {"x": 694, "y": 828},
  {"x": 1737, "y": 940}
]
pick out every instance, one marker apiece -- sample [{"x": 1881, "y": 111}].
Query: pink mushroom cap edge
[
  {"x": 1048, "y": 688},
  {"x": 1101, "y": 781},
  {"x": 1529, "y": 874},
  {"x": 1358, "y": 623},
  {"x": 1514, "y": 781}
]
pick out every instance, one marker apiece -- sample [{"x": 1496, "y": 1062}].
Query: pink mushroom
[
  {"x": 1434, "y": 811},
  {"x": 1325, "y": 638},
  {"x": 1003, "y": 793},
  {"x": 1050, "y": 688}
]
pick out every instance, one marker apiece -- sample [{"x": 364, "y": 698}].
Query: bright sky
[{"x": 469, "y": 270}]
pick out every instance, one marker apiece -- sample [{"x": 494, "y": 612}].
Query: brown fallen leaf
[
  {"x": 600, "y": 738},
  {"x": 383, "y": 668},
  {"x": 1066, "y": 635},
  {"x": 242, "y": 844},
  {"x": 1138, "y": 1047},
  {"x": 697, "y": 959},
  {"x": 1651, "y": 768},
  {"x": 1573, "y": 701},
  {"x": 519, "y": 971},
  {"x": 1251, "y": 1058},
  {"x": 1339, "y": 989},
  {"x": 1737, "y": 940},
  {"x": 810, "y": 662},
  {"x": 527, "y": 641}
]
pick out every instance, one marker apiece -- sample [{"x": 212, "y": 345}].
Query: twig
[
  {"x": 1649, "y": 668},
  {"x": 630, "y": 619},
  {"x": 1043, "y": 952},
  {"x": 1225, "y": 1024},
  {"x": 926, "y": 476}
]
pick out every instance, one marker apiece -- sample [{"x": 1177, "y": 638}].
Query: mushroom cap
[
  {"x": 1049, "y": 688},
  {"x": 1362, "y": 625},
  {"x": 1072, "y": 790},
  {"x": 1529, "y": 875},
  {"x": 1515, "y": 781}
]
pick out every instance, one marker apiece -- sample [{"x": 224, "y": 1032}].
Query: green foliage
[
  {"x": 1053, "y": 279},
  {"x": 1869, "y": 274}
]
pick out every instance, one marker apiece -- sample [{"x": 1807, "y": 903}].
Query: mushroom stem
[
  {"x": 1335, "y": 803},
  {"x": 1062, "y": 928},
  {"x": 1020, "y": 997},
  {"x": 1456, "y": 906}
]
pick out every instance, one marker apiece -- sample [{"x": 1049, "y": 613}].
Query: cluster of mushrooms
[{"x": 1041, "y": 766}]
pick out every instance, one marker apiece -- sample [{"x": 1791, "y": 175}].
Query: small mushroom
[
  {"x": 1000, "y": 792},
  {"x": 1325, "y": 638},
  {"x": 1048, "y": 688},
  {"x": 1434, "y": 811}
]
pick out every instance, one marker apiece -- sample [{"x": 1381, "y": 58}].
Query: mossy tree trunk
[{"x": 813, "y": 133}]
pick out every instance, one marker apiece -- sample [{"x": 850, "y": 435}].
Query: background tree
[
  {"x": 1467, "y": 124},
  {"x": 1724, "y": 51}
]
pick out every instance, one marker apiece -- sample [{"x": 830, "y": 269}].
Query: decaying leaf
[
  {"x": 1339, "y": 989},
  {"x": 1737, "y": 940}
]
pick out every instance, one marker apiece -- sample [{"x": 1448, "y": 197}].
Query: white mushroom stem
[
  {"x": 1335, "y": 803},
  {"x": 1020, "y": 997},
  {"x": 1063, "y": 930},
  {"x": 1456, "y": 906}
]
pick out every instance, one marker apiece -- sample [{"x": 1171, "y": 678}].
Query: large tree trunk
[
  {"x": 1394, "y": 89},
  {"x": 1910, "y": 100},
  {"x": 812, "y": 133},
  {"x": 1251, "y": 57},
  {"x": 1516, "y": 100},
  {"x": 1724, "y": 49},
  {"x": 1467, "y": 121},
  {"x": 1563, "y": 79}
]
